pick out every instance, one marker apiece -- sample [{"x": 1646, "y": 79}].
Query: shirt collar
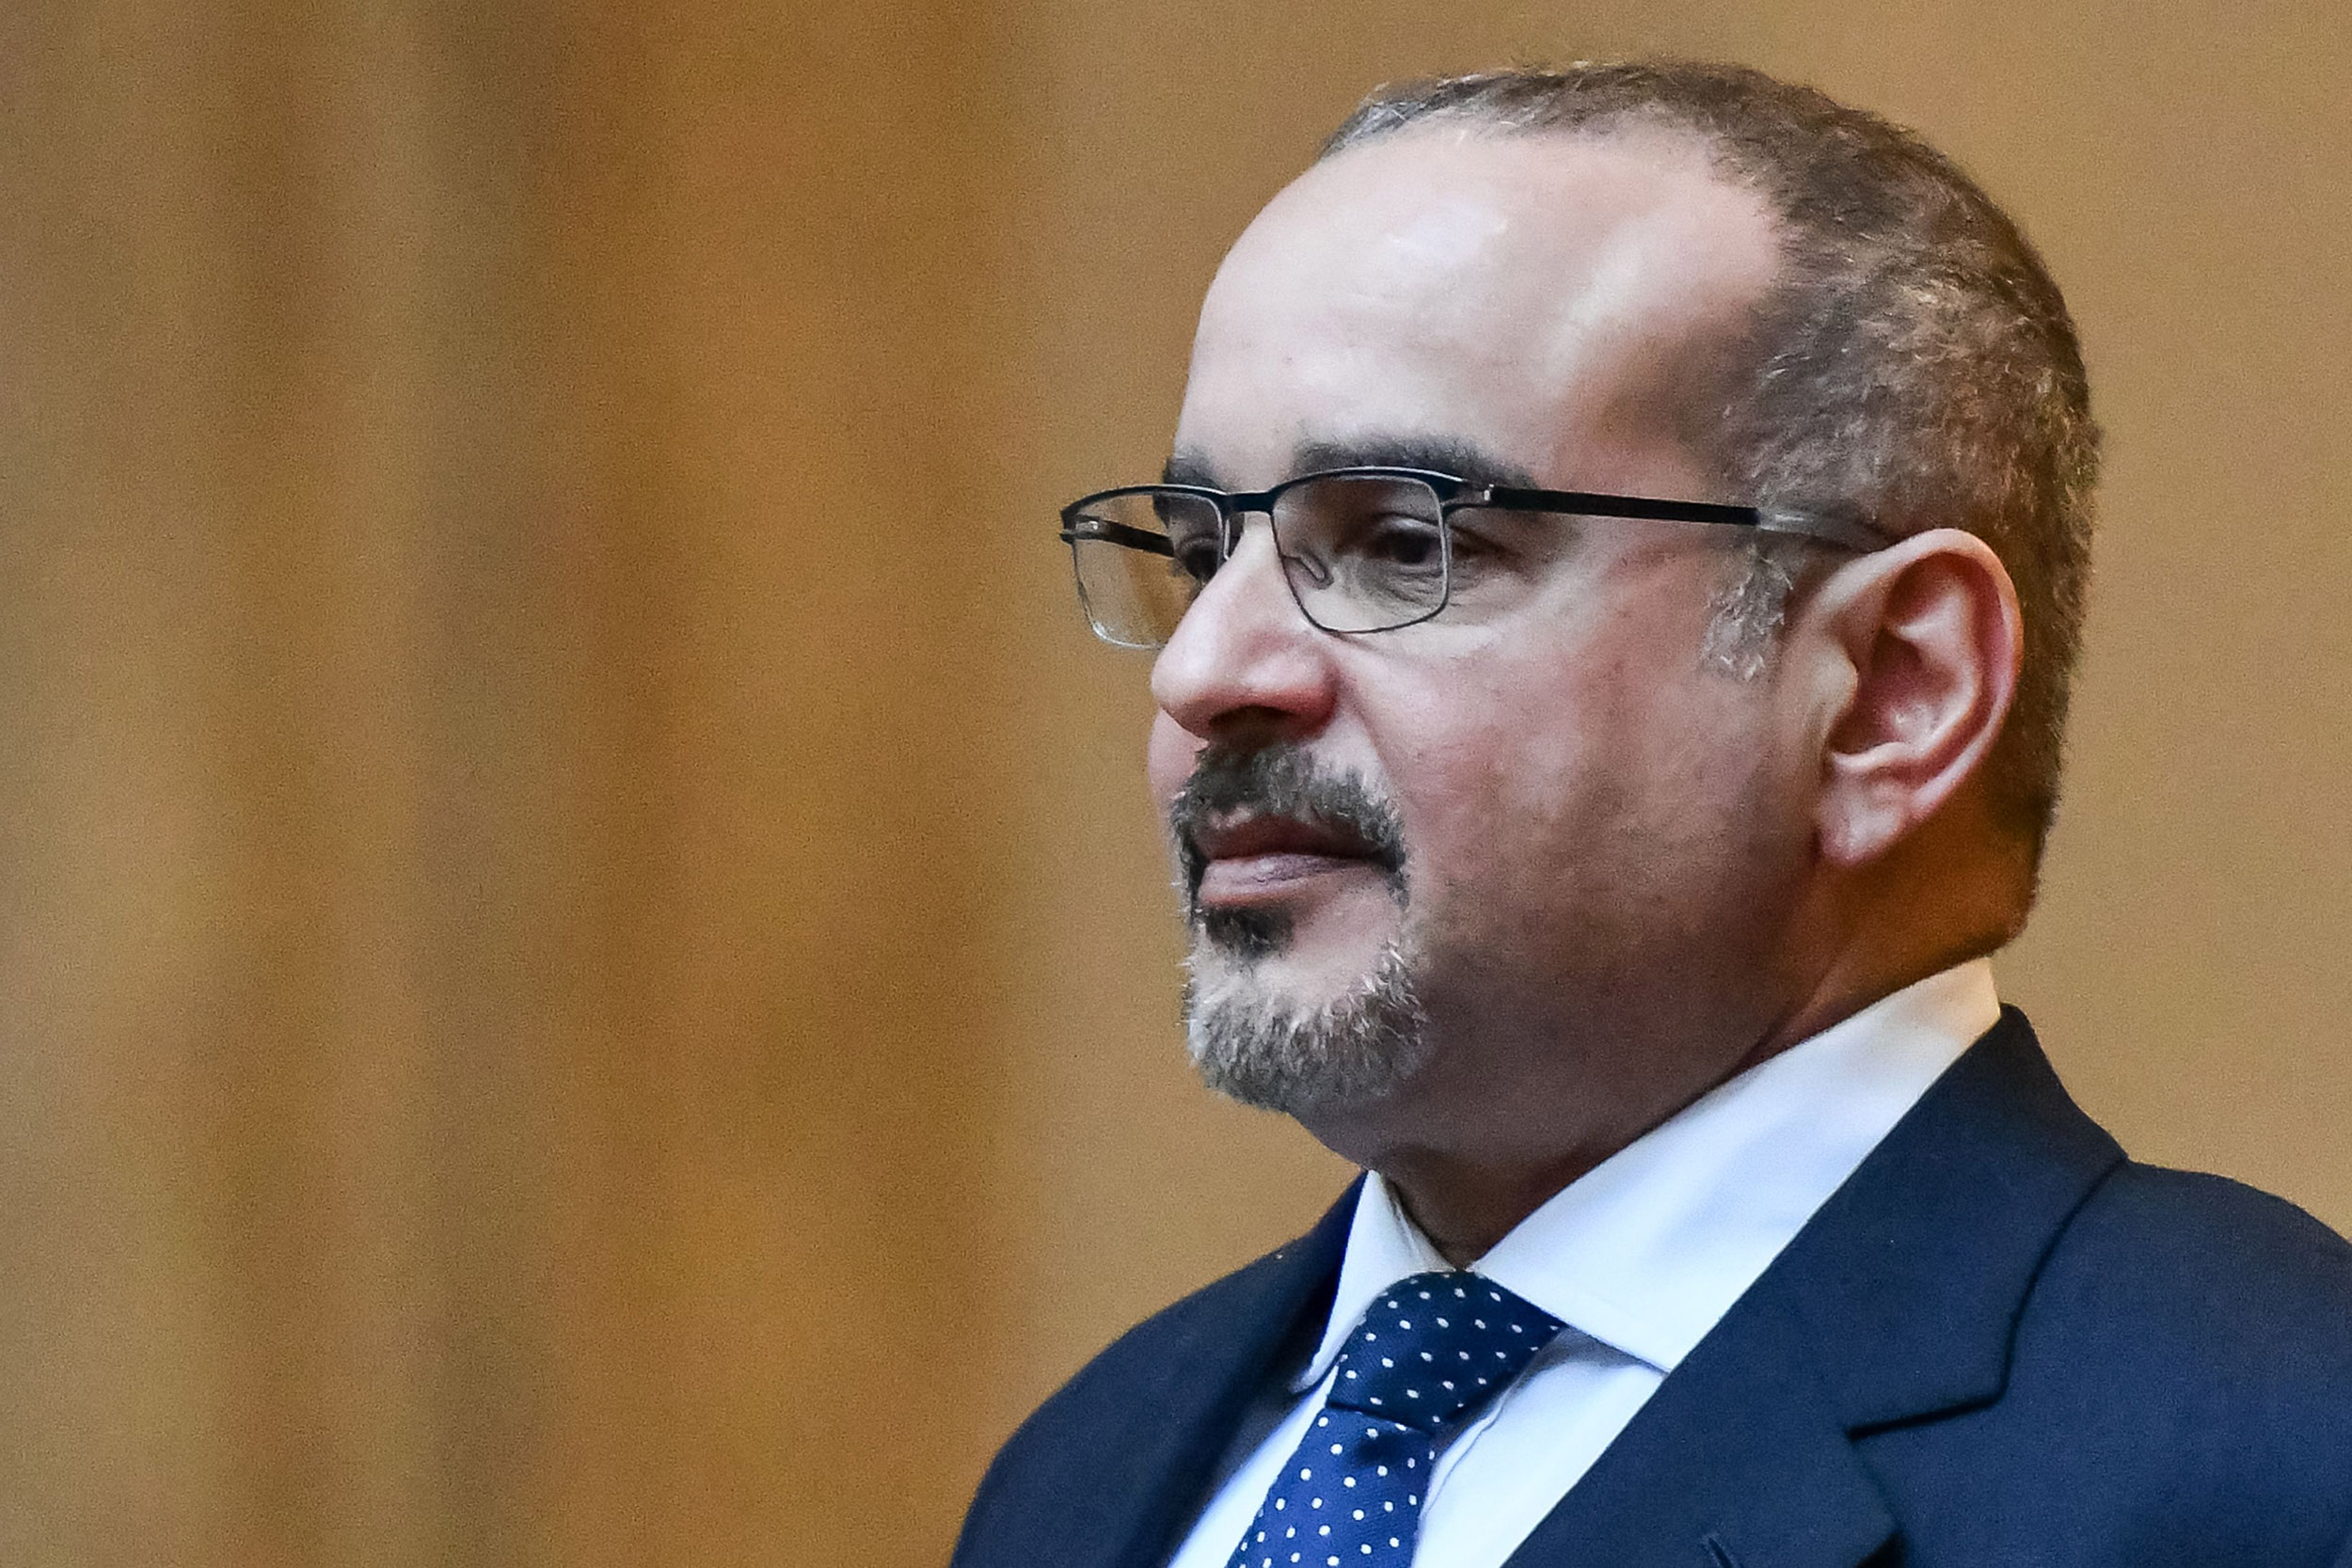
[{"x": 1646, "y": 1251}]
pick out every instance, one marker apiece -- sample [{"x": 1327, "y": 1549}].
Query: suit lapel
[
  {"x": 1896, "y": 1303},
  {"x": 1738, "y": 1459}
]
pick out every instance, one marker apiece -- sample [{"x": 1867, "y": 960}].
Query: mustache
[{"x": 1280, "y": 781}]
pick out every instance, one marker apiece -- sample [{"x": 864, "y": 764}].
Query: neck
[
  {"x": 1465, "y": 1208},
  {"x": 1466, "y": 1202},
  {"x": 1470, "y": 1164}
]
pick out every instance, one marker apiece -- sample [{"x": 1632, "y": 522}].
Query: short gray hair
[{"x": 1915, "y": 366}]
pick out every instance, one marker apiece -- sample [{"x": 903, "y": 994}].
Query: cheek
[
  {"x": 1583, "y": 777},
  {"x": 1497, "y": 796}
]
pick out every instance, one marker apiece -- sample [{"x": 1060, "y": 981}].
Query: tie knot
[{"x": 1436, "y": 1346}]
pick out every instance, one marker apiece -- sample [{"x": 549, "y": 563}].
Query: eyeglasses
[{"x": 1364, "y": 550}]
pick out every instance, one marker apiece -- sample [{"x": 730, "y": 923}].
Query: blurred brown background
[{"x": 583, "y": 968}]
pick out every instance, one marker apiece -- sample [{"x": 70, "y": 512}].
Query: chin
[{"x": 1260, "y": 1038}]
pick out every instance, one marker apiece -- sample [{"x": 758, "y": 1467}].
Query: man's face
[{"x": 1542, "y": 848}]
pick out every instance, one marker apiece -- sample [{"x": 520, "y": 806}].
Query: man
[{"x": 1618, "y": 575}]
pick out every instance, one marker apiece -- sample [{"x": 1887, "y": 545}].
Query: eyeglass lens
[
  {"x": 1142, "y": 556},
  {"x": 1361, "y": 553}
]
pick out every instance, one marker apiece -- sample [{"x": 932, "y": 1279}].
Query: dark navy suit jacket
[{"x": 2001, "y": 1342}]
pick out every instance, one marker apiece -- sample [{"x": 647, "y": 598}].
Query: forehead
[{"x": 1541, "y": 297}]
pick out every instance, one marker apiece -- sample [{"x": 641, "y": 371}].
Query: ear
[{"x": 1918, "y": 650}]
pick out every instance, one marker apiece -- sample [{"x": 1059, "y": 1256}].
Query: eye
[
  {"x": 1368, "y": 523},
  {"x": 1471, "y": 548},
  {"x": 1400, "y": 541},
  {"x": 1196, "y": 557},
  {"x": 1196, "y": 534},
  {"x": 1494, "y": 556}
]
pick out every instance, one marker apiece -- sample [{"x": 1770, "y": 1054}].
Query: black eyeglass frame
[{"x": 1455, "y": 494}]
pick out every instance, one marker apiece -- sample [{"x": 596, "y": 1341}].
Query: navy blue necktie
[{"x": 1429, "y": 1353}]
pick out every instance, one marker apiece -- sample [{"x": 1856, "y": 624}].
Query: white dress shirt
[{"x": 1640, "y": 1258}]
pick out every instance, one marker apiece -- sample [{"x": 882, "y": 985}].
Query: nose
[{"x": 1245, "y": 663}]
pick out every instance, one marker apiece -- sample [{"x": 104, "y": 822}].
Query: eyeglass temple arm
[
  {"x": 1835, "y": 530},
  {"x": 1097, "y": 529}
]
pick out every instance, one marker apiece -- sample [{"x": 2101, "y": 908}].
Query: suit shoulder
[
  {"x": 2196, "y": 1280},
  {"x": 2209, "y": 1236},
  {"x": 2178, "y": 1390}
]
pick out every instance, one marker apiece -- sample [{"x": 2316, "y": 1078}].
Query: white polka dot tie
[{"x": 1431, "y": 1351}]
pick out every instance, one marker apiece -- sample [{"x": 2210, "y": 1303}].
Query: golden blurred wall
[{"x": 584, "y": 973}]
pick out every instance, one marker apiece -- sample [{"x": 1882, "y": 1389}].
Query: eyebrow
[
  {"x": 1445, "y": 454},
  {"x": 1185, "y": 467}
]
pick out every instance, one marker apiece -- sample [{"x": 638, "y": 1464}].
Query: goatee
[
  {"x": 1250, "y": 1042},
  {"x": 1268, "y": 1050}
]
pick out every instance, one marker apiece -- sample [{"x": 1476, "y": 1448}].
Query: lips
[
  {"x": 1253, "y": 859},
  {"x": 1256, "y": 829}
]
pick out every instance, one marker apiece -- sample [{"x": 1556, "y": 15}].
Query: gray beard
[{"x": 1266, "y": 1050}]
